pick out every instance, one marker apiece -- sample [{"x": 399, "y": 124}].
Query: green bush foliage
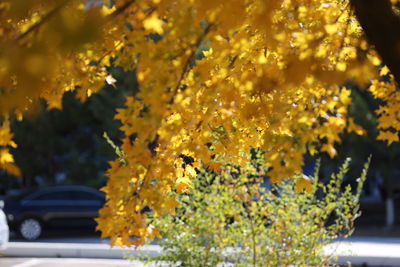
[{"x": 229, "y": 217}]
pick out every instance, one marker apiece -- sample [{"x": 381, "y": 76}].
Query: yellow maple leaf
[
  {"x": 154, "y": 24},
  {"x": 388, "y": 136},
  {"x": 170, "y": 204},
  {"x": 182, "y": 183},
  {"x": 105, "y": 10},
  {"x": 385, "y": 70},
  {"x": 304, "y": 183},
  {"x": 328, "y": 148},
  {"x": 353, "y": 127},
  {"x": 190, "y": 171},
  {"x": 331, "y": 29},
  {"x": 345, "y": 96},
  {"x": 5, "y": 156},
  {"x": 215, "y": 166},
  {"x": 11, "y": 168}
]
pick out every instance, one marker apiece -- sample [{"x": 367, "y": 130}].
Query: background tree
[{"x": 69, "y": 143}]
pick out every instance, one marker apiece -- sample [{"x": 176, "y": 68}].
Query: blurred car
[
  {"x": 4, "y": 231},
  {"x": 30, "y": 213}
]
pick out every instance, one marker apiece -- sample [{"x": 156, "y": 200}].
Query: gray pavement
[{"x": 371, "y": 251}]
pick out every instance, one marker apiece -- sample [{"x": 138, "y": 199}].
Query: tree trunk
[
  {"x": 382, "y": 28},
  {"x": 389, "y": 187},
  {"x": 390, "y": 212}
]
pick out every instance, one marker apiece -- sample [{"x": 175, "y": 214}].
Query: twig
[
  {"x": 189, "y": 59},
  {"x": 120, "y": 10}
]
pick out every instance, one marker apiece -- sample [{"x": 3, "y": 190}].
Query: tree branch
[
  {"x": 189, "y": 59},
  {"x": 54, "y": 11},
  {"x": 382, "y": 28},
  {"x": 120, "y": 10},
  {"x": 42, "y": 21}
]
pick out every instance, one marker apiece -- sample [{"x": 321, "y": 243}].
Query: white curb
[
  {"x": 360, "y": 252},
  {"x": 73, "y": 250}
]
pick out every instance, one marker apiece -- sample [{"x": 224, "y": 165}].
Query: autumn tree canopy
[{"x": 216, "y": 79}]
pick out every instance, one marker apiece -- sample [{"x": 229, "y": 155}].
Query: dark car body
[{"x": 55, "y": 207}]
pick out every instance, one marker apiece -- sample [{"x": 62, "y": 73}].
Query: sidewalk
[
  {"x": 56, "y": 262},
  {"x": 76, "y": 250},
  {"x": 372, "y": 251},
  {"x": 358, "y": 251}
]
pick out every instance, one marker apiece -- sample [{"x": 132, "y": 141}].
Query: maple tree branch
[
  {"x": 189, "y": 59},
  {"x": 54, "y": 11},
  {"x": 43, "y": 20},
  {"x": 120, "y": 10},
  {"x": 382, "y": 28}
]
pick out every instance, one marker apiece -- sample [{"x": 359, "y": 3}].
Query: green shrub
[{"x": 229, "y": 217}]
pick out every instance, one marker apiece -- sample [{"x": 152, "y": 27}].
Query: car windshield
[
  {"x": 57, "y": 193},
  {"x": 18, "y": 196}
]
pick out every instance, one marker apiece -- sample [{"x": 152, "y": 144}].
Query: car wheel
[{"x": 30, "y": 229}]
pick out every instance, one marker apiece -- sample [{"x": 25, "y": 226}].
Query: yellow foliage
[
  {"x": 6, "y": 159},
  {"x": 5, "y": 156},
  {"x": 182, "y": 183},
  {"x": 304, "y": 183},
  {"x": 388, "y": 120},
  {"x": 388, "y": 136},
  {"x": 153, "y": 23},
  {"x": 269, "y": 80}
]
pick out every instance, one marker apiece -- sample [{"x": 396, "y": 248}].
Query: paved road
[
  {"x": 54, "y": 262},
  {"x": 67, "y": 239}
]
